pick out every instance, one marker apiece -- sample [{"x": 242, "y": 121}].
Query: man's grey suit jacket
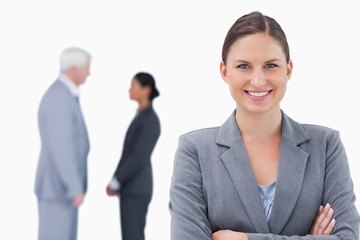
[
  {"x": 213, "y": 186},
  {"x": 62, "y": 167}
]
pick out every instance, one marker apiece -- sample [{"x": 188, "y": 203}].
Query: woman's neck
[
  {"x": 143, "y": 104},
  {"x": 260, "y": 125}
]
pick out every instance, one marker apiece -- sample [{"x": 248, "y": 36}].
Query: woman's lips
[{"x": 258, "y": 95}]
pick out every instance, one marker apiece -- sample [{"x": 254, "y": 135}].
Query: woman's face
[
  {"x": 137, "y": 91},
  {"x": 257, "y": 73}
]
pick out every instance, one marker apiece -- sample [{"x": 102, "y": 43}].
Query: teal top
[{"x": 267, "y": 194}]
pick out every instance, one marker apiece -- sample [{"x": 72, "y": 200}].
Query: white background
[{"x": 179, "y": 42}]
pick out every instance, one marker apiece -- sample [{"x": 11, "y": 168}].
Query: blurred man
[{"x": 61, "y": 178}]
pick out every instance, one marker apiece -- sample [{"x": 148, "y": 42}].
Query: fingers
[
  {"x": 328, "y": 214},
  {"x": 330, "y": 227},
  {"x": 78, "y": 200},
  {"x": 323, "y": 223},
  {"x": 110, "y": 192}
]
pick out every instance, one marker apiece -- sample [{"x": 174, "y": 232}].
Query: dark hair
[
  {"x": 145, "y": 79},
  {"x": 252, "y": 23}
]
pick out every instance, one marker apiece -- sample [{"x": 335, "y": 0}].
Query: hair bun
[
  {"x": 154, "y": 93},
  {"x": 145, "y": 79}
]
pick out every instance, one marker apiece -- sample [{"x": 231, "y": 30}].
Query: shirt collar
[{"x": 75, "y": 90}]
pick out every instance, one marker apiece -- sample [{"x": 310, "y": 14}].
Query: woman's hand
[
  {"x": 110, "y": 192},
  {"x": 228, "y": 235},
  {"x": 323, "y": 223}
]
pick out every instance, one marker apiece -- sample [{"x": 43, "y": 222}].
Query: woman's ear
[
  {"x": 147, "y": 90},
  {"x": 223, "y": 71},
  {"x": 289, "y": 69}
]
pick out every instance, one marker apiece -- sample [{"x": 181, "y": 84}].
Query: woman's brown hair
[{"x": 252, "y": 23}]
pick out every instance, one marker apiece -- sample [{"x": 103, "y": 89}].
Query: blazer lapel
[
  {"x": 238, "y": 165},
  {"x": 292, "y": 164}
]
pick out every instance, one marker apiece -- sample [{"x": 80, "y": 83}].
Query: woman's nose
[{"x": 258, "y": 79}]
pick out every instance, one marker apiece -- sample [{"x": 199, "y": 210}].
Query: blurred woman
[{"x": 132, "y": 180}]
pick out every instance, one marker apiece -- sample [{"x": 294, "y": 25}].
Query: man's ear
[
  {"x": 223, "y": 71},
  {"x": 74, "y": 69}
]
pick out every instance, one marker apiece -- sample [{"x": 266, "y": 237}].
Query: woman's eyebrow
[
  {"x": 240, "y": 61},
  {"x": 273, "y": 60},
  {"x": 245, "y": 61}
]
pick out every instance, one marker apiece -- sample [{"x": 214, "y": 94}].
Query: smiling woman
[{"x": 261, "y": 175}]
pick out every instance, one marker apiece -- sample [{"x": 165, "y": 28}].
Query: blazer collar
[
  {"x": 292, "y": 131},
  {"x": 292, "y": 162},
  {"x": 144, "y": 112},
  {"x": 229, "y": 132}
]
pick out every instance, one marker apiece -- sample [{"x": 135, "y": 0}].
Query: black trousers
[{"x": 133, "y": 217}]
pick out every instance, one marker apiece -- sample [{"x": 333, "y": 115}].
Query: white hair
[{"x": 73, "y": 57}]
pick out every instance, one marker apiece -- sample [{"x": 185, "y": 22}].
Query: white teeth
[{"x": 259, "y": 94}]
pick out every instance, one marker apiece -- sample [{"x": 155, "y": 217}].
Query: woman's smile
[{"x": 258, "y": 93}]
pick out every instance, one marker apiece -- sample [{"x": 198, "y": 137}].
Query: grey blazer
[
  {"x": 62, "y": 166},
  {"x": 213, "y": 186}
]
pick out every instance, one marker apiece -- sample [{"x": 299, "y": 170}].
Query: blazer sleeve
[
  {"x": 187, "y": 205},
  {"x": 60, "y": 140},
  {"x": 339, "y": 190},
  {"x": 141, "y": 149}
]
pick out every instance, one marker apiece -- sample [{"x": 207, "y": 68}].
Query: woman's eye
[
  {"x": 244, "y": 66},
  {"x": 270, "y": 65}
]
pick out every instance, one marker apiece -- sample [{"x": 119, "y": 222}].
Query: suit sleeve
[
  {"x": 60, "y": 140},
  {"x": 140, "y": 152},
  {"x": 187, "y": 205}
]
